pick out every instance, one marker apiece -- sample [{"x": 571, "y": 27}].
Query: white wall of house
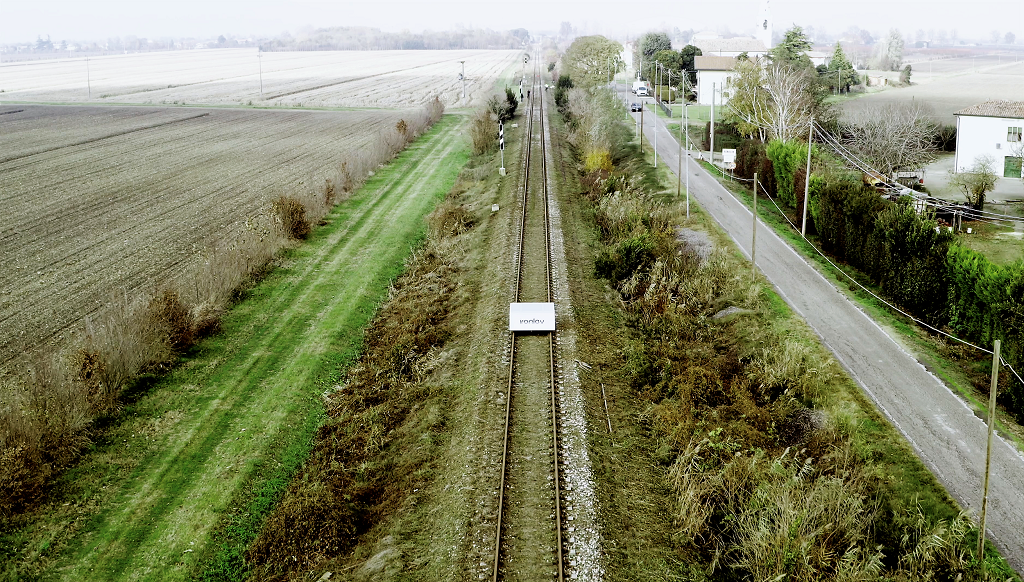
[
  {"x": 977, "y": 136},
  {"x": 705, "y": 80}
]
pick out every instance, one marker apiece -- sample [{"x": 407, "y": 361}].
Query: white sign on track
[{"x": 531, "y": 317}]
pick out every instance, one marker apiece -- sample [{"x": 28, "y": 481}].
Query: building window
[{"x": 1013, "y": 134}]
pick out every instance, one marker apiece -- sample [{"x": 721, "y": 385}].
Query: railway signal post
[{"x": 501, "y": 146}]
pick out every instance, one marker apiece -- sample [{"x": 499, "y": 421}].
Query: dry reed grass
[
  {"x": 765, "y": 486},
  {"x": 483, "y": 132},
  {"x": 52, "y": 399}
]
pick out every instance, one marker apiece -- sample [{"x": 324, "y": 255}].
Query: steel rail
[{"x": 536, "y": 106}]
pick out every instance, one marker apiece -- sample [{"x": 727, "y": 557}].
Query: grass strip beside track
[{"x": 237, "y": 418}]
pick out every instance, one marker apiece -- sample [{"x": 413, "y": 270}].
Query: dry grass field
[
  {"x": 949, "y": 85},
  {"x": 99, "y": 202},
  {"x": 232, "y": 77}
]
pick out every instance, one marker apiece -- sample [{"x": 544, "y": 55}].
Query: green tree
[
  {"x": 792, "y": 51},
  {"x": 44, "y": 45},
  {"x": 670, "y": 60},
  {"x": 649, "y": 44},
  {"x": 589, "y": 59},
  {"x": 840, "y": 72},
  {"x": 687, "y": 57},
  {"x": 521, "y": 33},
  {"x": 504, "y": 110},
  {"x": 905, "y": 75}
]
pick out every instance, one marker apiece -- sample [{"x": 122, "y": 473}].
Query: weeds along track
[{"x": 528, "y": 537}]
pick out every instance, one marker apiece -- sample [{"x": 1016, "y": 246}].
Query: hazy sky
[{"x": 23, "y": 20}]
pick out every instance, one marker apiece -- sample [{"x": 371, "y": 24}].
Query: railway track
[{"x": 529, "y": 541}]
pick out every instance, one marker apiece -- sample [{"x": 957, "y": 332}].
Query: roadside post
[{"x": 988, "y": 451}]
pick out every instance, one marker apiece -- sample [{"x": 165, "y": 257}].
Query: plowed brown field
[
  {"x": 98, "y": 200},
  {"x": 232, "y": 76}
]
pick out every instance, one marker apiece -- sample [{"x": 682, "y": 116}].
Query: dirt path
[
  {"x": 942, "y": 429},
  {"x": 159, "y": 520}
]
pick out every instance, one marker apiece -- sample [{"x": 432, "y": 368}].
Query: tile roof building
[{"x": 994, "y": 129}]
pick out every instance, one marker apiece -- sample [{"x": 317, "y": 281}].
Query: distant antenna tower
[{"x": 764, "y": 24}]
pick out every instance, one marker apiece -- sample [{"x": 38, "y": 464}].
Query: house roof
[
  {"x": 714, "y": 63},
  {"x": 994, "y": 108},
  {"x": 711, "y": 46}
]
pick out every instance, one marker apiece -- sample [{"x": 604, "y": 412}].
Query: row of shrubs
[
  {"x": 53, "y": 398},
  {"x": 918, "y": 265},
  {"x": 769, "y": 471}
]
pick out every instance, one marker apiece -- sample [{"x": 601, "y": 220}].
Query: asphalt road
[{"x": 944, "y": 432}]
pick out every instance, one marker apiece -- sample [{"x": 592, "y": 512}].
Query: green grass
[
  {"x": 995, "y": 242},
  {"x": 698, "y": 114},
  {"x": 183, "y": 479}
]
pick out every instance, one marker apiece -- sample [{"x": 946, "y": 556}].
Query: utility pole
[
  {"x": 753, "y": 238},
  {"x": 259, "y": 57},
  {"x": 88, "y": 78},
  {"x": 463, "y": 76},
  {"x": 679, "y": 165},
  {"x": 712, "y": 136},
  {"x": 807, "y": 179},
  {"x": 686, "y": 124},
  {"x": 988, "y": 451},
  {"x": 655, "y": 75}
]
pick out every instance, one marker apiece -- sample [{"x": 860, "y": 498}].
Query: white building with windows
[
  {"x": 713, "y": 75},
  {"x": 992, "y": 128}
]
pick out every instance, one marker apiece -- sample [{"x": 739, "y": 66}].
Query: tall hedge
[
  {"x": 787, "y": 158},
  {"x": 901, "y": 252},
  {"x": 750, "y": 159},
  {"x": 985, "y": 303},
  {"x": 920, "y": 267}
]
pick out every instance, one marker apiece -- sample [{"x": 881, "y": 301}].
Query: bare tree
[
  {"x": 773, "y": 102},
  {"x": 894, "y": 138},
  {"x": 791, "y": 102},
  {"x": 975, "y": 181}
]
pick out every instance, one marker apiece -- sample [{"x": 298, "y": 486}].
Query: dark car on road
[{"x": 635, "y": 107}]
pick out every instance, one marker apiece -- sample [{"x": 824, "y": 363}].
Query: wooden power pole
[
  {"x": 988, "y": 451},
  {"x": 753, "y": 237}
]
